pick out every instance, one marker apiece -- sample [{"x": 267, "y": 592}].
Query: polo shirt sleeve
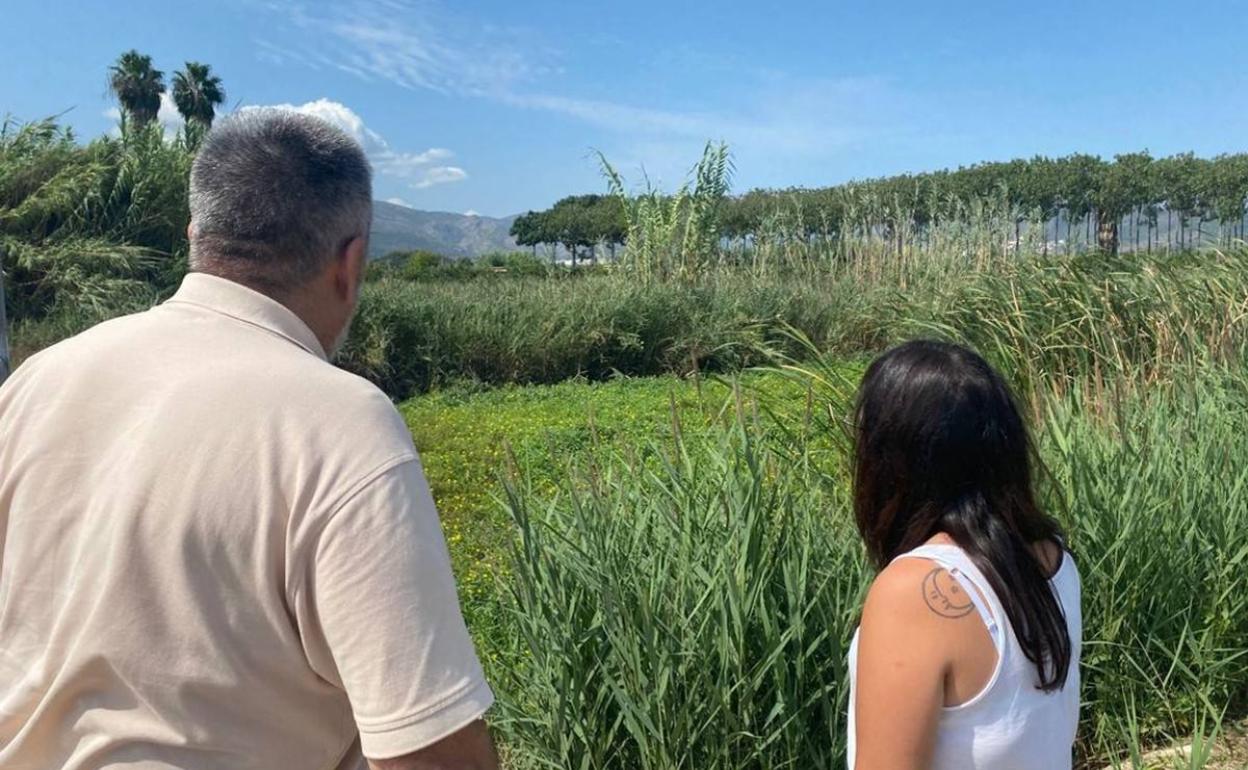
[{"x": 382, "y": 618}]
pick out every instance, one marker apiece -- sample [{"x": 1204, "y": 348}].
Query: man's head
[{"x": 281, "y": 202}]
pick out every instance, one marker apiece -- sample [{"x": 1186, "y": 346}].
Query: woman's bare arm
[{"x": 915, "y": 617}]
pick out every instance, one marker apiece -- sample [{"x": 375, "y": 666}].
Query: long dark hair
[{"x": 940, "y": 446}]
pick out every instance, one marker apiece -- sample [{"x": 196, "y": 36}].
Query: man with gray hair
[{"x": 217, "y": 550}]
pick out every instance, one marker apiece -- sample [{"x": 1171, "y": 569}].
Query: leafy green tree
[
  {"x": 530, "y": 229},
  {"x": 1181, "y": 190},
  {"x": 420, "y": 263},
  {"x": 609, "y": 224},
  {"x": 522, "y": 263},
  {"x": 137, "y": 86},
  {"x": 1077, "y": 191},
  {"x": 1229, "y": 193},
  {"x": 1120, "y": 187},
  {"x": 572, "y": 224}
]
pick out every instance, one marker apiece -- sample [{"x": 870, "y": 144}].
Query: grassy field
[
  {"x": 662, "y": 572},
  {"x": 1051, "y": 320},
  {"x": 471, "y": 439}
]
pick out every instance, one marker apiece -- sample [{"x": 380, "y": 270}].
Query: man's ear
[{"x": 351, "y": 263}]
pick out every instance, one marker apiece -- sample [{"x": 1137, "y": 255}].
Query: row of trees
[
  {"x": 138, "y": 87},
  {"x": 1077, "y": 189},
  {"x": 579, "y": 223},
  {"x": 1061, "y": 195}
]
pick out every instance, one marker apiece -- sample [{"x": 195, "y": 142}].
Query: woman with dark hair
[{"x": 968, "y": 651}]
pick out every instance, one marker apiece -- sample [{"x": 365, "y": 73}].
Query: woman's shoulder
[{"x": 916, "y": 592}]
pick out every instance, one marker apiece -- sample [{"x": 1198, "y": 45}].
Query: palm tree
[
  {"x": 138, "y": 87},
  {"x": 197, "y": 92}
]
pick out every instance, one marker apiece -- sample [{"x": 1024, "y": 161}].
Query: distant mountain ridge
[{"x": 399, "y": 228}]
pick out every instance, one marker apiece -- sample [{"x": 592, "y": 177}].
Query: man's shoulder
[
  {"x": 355, "y": 394},
  {"x": 342, "y": 406},
  {"x": 70, "y": 350}
]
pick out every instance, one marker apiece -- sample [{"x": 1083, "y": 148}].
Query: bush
[
  {"x": 409, "y": 337},
  {"x": 89, "y": 224}
]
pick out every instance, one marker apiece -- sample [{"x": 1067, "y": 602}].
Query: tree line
[{"x": 1134, "y": 191}]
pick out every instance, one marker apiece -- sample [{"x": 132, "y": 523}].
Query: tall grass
[
  {"x": 1054, "y": 321},
  {"x": 410, "y": 337},
  {"x": 89, "y": 224},
  {"x": 1100, "y": 322},
  {"x": 1157, "y": 508},
  {"x": 87, "y": 232},
  {"x": 681, "y": 610},
  {"x": 674, "y": 236},
  {"x": 688, "y": 605}
]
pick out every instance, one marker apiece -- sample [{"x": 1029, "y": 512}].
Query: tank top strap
[{"x": 955, "y": 561}]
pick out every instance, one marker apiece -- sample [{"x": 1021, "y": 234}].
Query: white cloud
[
  {"x": 621, "y": 116},
  {"x": 272, "y": 53},
  {"x": 412, "y": 44},
  {"x": 399, "y": 202},
  {"x": 472, "y": 213},
  {"x": 416, "y": 168},
  {"x": 339, "y": 115},
  {"x": 440, "y": 175},
  {"x": 167, "y": 116},
  {"x": 786, "y": 117},
  {"x": 407, "y": 165}
]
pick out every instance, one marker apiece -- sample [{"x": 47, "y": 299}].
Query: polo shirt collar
[{"x": 239, "y": 302}]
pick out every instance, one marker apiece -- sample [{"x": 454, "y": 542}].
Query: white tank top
[{"x": 1010, "y": 724}]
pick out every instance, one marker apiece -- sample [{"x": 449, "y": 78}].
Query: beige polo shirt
[{"x": 218, "y": 551}]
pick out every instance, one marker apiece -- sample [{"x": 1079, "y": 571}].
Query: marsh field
[
  {"x": 641, "y": 462},
  {"x": 662, "y": 571}
]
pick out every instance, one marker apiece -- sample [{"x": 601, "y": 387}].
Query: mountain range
[{"x": 399, "y": 228}]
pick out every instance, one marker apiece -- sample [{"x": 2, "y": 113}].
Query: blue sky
[{"x": 497, "y": 107}]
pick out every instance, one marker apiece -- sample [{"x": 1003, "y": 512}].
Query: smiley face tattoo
[{"x": 945, "y": 596}]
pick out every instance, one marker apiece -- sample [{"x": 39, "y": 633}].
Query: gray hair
[{"x": 275, "y": 195}]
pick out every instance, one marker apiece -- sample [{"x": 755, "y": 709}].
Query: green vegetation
[
  {"x": 1075, "y": 203},
  {"x": 138, "y": 86},
  {"x": 413, "y": 336},
  {"x": 88, "y": 232},
  {"x": 197, "y": 94},
  {"x": 467, "y": 436},
  {"x": 576, "y": 223},
  {"x": 682, "y": 596},
  {"x": 423, "y": 265},
  {"x": 686, "y": 603}
]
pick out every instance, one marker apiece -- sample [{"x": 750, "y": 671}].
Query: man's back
[{"x": 209, "y": 539}]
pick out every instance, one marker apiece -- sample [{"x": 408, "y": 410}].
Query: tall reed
[{"x": 689, "y": 605}]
